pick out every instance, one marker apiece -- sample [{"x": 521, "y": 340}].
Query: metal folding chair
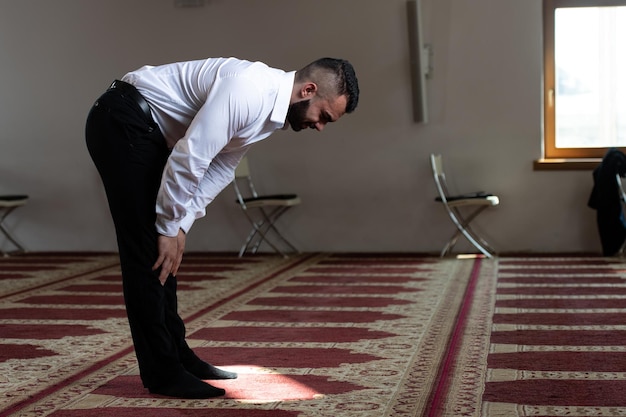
[
  {"x": 8, "y": 203},
  {"x": 262, "y": 211},
  {"x": 462, "y": 210}
]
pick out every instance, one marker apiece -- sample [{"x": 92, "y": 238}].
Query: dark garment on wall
[{"x": 606, "y": 200}]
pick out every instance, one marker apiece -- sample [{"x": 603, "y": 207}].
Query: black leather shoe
[
  {"x": 203, "y": 370},
  {"x": 185, "y": 385}
]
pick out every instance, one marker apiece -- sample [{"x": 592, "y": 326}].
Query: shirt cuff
[
  {"x": 171, "y": 229},
  {"x": 187, "y": 222},
  {"x": 166, "y": 228}
]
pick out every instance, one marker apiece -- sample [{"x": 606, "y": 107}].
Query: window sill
[{"x": 556, "y": 164}]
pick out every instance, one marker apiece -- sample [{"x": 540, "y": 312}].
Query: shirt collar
[{"x": 281, "y": 105}]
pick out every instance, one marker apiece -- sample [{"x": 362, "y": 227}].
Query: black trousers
[{"x": 130, "y": 153}]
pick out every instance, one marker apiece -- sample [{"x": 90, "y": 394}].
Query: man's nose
[{"x": 319, "y": 126}]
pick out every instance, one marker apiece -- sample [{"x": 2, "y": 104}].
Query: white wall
[{"x": 365, "y": 181}]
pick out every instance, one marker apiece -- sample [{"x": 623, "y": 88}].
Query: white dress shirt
[{"x": 210, "y": 111}]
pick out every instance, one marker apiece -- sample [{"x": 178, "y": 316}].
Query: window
[{"x": 584, "y": 77}]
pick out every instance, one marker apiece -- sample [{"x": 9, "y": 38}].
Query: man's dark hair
[{"x": 337, "y": 74}]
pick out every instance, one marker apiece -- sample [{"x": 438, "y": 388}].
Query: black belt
[{"x": 131, "y": 92}]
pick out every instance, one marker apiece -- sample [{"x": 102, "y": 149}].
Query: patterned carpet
[
  {"x": 558, "y": 342},
  {"x": 322, "y": 335}
]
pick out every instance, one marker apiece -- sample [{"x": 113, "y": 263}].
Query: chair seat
[
  {"x": 471, "y": 200},
  {"x": 272, "y": 200},
  {"x": 13, "y": 200}
]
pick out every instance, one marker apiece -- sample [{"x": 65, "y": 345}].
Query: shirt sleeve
[
  {"x": 199, "y": 167},
  {"x": 221, "y": 172}
]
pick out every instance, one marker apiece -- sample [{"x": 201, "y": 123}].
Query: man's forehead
[{"x": 337, "y": 106}]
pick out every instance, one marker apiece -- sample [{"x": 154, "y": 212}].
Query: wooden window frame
[{"x": 550, "y": 151}]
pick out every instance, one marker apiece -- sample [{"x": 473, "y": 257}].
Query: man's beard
[{"x": 297, "y": 113}]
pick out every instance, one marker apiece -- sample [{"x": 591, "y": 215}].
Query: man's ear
[{"x": 308, "y": 90}]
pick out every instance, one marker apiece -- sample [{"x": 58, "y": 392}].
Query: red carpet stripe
[
  {"x": 29, "y": 268},
  {"x": 562, "y": 319},
  {"x": 4, "y": 275},
  {"x": 343, "y": 289},
  {"x": 562, "y": 303},
  {"x": 75, "y": 299},
  {"x": 202, "y": 259},
  {"x": 289, "y": 335},
  {"x": 277, "y": 357},
  {"x": 45, "y": 331},
  {"x": 296, "y": 316},
  {"x": 440, "y": 388},
  {"x": 564, "y": 290},
  {"x": 11, "y": 261},
  {"x": 177, "y": 412},
  {"x": 372, "y": 302},
  {"x": 60, "y": 313},
  {"x": 368, "y": 270},
  {"x": 549, "y": 392},
  {"x": 108, "y": 278},
  {"x": 352, "y": 279},
  {"x": 594, "y": 279},
  {"x": 570, "y": 261},
  {"x": 21, "y": 351},
  {"x": 204, "y": 268},
  {"x": 560, "y": 361},
  {"x": 370, "y": 262},
  {"x": 560, "y": 337},
  {"x": 114, "y": 288},
  {"x": 576, "y": 270}
]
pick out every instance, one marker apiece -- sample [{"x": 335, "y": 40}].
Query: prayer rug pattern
[
  {"x": 63, "y": 318},
  {"x": 326, "y": 335},
  {"x": 558, "y": 341},
  {"x": 315, "y": 335}
]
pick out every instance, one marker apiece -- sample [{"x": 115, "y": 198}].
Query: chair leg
[
  {"x": 479, "y": 242},
  {"x": 464, "y": 229},
  {"x": 260, "y": 236},
  {"x": 271, "y": 220},
  {"x": 450, "y": 245},
  {"x": 260, "y": 231},
  {"x": 460, "y": 224},
  {"x": 476, "y": 241},
  {"x": 8, "y": 235}
]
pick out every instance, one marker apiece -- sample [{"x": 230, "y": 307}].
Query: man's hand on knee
[{"x": 170, "y": 255}]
